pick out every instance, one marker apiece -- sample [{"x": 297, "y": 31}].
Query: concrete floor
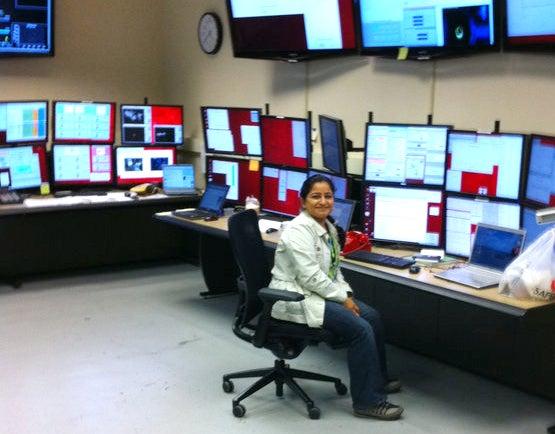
[{"x": 137, "y": 351}]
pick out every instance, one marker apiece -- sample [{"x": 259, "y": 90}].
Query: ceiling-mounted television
[
  {"x": 291, "y": 30},
  {"x": 26, "y": 28},
  {"x": 529, "y": 25},
  {"x": 428, "y": 28}
]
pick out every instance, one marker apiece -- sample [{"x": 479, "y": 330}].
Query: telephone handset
[{"x": 144, "y": 189}]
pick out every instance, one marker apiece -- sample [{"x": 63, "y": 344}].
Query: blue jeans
[{"x": 364, "y": 336}]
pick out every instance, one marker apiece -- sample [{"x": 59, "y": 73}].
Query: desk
[
  {"x": 56, "y": 238},
  {"x": 506, "y": 339}
]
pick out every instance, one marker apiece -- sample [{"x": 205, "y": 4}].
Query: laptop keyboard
[
  {"x": 10, "y": 197},
  {"x": 194, "y": 214},
  {"x": 380, "y": 259}
]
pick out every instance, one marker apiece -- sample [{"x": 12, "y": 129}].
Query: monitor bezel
[
  {"x": 204, "y": 129},
  {"x": 233, "y": 160},
  {"x": 526, "y": 171},
  {"x": 84, "y": 141},
  {"x": 341, "y": 138},
  {"x": 290, "y": 55},
  {"x": 47, "y": 119},
  {"x": 127, "y": 183},
  {"x": 432, "y": 52},
  {"x": 153, "y": 144},
  {"x": 46, "y": 166},
  {"x": 262, "y": 189},
  {"x": 404, "y": 184},
  {"x": 346, "y": 178},
  {"x": 308, "y": 141},
  {"x": 523, "y": 152},
  {"x": 83, "y": 184}
]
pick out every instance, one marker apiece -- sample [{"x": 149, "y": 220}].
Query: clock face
[{"x": 209, "y": 33}]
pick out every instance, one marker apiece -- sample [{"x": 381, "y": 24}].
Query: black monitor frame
[
  {"x": 46, "y": 165},
  {"x": 526, "y": 172},
  {"x": 152, "y": 144},
  {"x": 47, "y": 120},
  {"x": 330, "y": 174},
  {"x": 204, "y": 130},
  {"x": 262, "y": 185},
  {"x": 528, "y": 45},
  {"x": 341, "y": 141}
]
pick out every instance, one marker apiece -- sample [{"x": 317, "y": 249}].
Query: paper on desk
[{"x": 264, "y": 225}]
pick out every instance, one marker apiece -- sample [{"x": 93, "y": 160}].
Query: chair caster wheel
[
  {"x": 314, "y": 412},
  {"x": 341, "y": 389},
  {"x": 239, "y": 410},
  {"x": 227, "y": 385}
]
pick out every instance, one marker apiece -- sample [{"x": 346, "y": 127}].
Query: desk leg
[{"x": 218, "y": 266}]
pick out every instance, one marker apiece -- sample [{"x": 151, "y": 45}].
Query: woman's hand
[{"x": 352, "y": 306}]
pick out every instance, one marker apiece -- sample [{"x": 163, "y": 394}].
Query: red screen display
[
  {"x": 280, "y": 191},
  {"x": 285, "y": 141},
  {"x": 242, "y": 176}
]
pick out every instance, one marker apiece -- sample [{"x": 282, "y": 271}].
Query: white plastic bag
[{"x": 532, "y": 274}]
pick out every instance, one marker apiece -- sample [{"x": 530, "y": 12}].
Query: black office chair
[{"x": 253, "y": 322}]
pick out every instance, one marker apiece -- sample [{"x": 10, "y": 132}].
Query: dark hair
[{"x": 311, "y": 180}]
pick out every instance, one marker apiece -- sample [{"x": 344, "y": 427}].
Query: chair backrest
[{"x": 250, "y": 255}]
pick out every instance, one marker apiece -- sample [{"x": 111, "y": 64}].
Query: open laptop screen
[
  {"x": 178, "y": 179},
  {"x": 496, "y": 247},
  {"x": 213, "y": 198},
  {"x": 343, "y": 212}
]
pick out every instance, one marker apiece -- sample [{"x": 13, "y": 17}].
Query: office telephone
[{"x": 144, "y": 189}]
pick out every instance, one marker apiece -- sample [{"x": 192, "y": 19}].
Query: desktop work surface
[{"x": 481, "y": 331}]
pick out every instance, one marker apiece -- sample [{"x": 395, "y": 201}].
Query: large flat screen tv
[
  {"x": 26, "y": 28},
  {"x": 428, "y": 28},
  {"x": 529, "y": 25},
  {"x": 291, "y": 29}
]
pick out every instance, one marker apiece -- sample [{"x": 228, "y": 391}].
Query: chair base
[{"x": 280, "y": 374}]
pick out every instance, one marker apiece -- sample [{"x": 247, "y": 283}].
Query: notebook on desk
[
  {"x": 211, "y": 204},
  {"x": 493, "y": 250}
]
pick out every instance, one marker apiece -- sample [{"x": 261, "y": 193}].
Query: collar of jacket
[{"x": 320, "y": 231}]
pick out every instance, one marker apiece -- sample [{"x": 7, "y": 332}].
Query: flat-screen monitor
[
  {"x": 285, "y": 141},
  {"x": 280, "y": 190},
  {"x": 463, "y": 214},
  {"x": 403, "y": 215},
  {"x": 540, "y": 180},
  {"x": 291, "y": 29},
  {"x": 178, "y": 179},
  {"x": 530, "y": 24},
  {"x": 484, "y": 164},
  {"x": 405, "y": 154},
  {"x": 341, "y": 183},
  {"x": 151, "y": 125},
  {"x": 139, "y": 164},
  {"x": 26, "y": 166},
  {"x": 343, "y": 212},
  {"x": 428, "y": 27},
  {"x": 82, "y": 164},
  {"x": 533, "y": 229},
  {"x": 23, "y": 121},
  {"x": 242, "y": 176},
  {"x": 231, "y": 130},
  {"x": 332, "y": 137},
  {"x": 26, "y": 27},
  {"x": 84, "y": 122}
]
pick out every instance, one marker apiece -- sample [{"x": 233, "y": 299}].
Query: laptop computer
[
  {"x": 211, "y": 204},
  {"x": 343, "y": 212},
  {"x": 493, "y": 250},
  {"x": 178, "y": 179}
]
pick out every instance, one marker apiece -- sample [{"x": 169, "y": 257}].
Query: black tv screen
[
  {"x": 291, "y": 29},
  {"x": 428, "y": 27},
  {"x": 530, "y": 24},
  {"x": 26, "y": 27}
]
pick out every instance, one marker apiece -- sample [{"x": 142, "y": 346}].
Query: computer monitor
[
  {"x": 341, "y": 183},
  {"x": 26, "y": 28},
  {"x": 232, "y": 130},
  {"x": 26, "y": 165},
  {"x": 23, "y": 122},
  {"x": 151, "y": 125},
  {"x": 484, "y": 164},
  {"x": 137, "y": 165},
  {"x": 84, "y": 122},
  {"x": 405, "y": 154},
  {"x": 280, "y": 190},
  {"x": 82, "y": 164},
  {"x": 242, "y": 176},
  {"x": 332, "y": 138},
  {"x": 540, "y": 180},
  {"x": 530, "y": 25},
  {"x": 178, "y": 179},
  {"x": 403, "y": 215},
  {"x": 533, "y": 229},
  {"x": 463, "y": 214},
  {"x": 285, "y": 141},
  {"x": 342, "y": 212}
]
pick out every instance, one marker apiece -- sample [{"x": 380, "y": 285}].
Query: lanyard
[{"x": 334, "y": 254}]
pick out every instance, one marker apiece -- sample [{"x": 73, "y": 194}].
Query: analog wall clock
[{"x": 210, "y": 33}]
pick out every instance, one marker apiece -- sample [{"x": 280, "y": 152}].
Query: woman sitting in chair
[{"x": 307, "y": 262}]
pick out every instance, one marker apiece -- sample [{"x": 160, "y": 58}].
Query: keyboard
[
  {"x": 10, "y": 197},
  {"x": 380, "y": 259},
  {"x": 89, "y": 193},
  {"x": 194, "y": 214}
]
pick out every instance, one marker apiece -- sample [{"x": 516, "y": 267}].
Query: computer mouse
[
  {"x": 210, "y": 218},
  {"x": 271, "y": 230},
  {"x": 414, "y": 269}
]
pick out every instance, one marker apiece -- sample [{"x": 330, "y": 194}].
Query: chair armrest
[{"x": 272, "y": 295}]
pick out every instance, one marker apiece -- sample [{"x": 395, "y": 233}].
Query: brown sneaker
[
  {"x": 392, "y": 386},
  {"x": 383, "y": 411}
]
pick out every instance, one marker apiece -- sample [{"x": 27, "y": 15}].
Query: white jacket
[{"x": 301, "y": 265}]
